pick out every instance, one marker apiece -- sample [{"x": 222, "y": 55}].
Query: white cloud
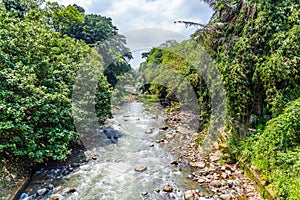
[
  {"x": 134, "y": 18},
  {"x": 128, "y": 15}
]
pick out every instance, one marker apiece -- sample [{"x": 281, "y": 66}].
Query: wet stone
[
  {"x": 66, "y": 173},
  {"x": 56, "y": 197},
  {"x": 74, "y": 165},
  {"x": 164, "y": 128},
  {"x": 167, "y": 188},
  {"x": 70, "y": 190},
  {"x": 42, "y": 191},
  {"x": 174, "y": 163},
  {"x": 70, "y": 169},
  {"x": 140, "y": 168}
]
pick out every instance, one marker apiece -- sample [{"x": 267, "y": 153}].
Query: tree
[
  {"x": 95, "y": 28},
  {"x": 20, "y": 8},
  {"x": 79, "y": 8},
  {"x": 116, "y": 56},
  {"x": 38, "y": 67},
  {"x": 65, "y": 20}
]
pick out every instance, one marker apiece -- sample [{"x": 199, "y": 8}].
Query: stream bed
[{"x": 133, "y": 166}]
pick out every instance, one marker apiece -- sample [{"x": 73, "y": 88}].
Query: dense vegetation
[
  {"x": 42, "y": 49},
  {"x": 255, "y": 46}
]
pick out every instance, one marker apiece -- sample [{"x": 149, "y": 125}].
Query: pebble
[
  {"x": 215, "y": 183},
  {"x": 189, "y": 195},
  {"x": 140, "y": 168},
  {"x": 56, "y": 197},
  {"x": 23, "y": 196},
  {"x": 74, "y": 165},
  {"x": 42, "y": 192},
  {"x": 167, "y": 188},
  {"x": 225, "y": 196},
  {"x": 198, "y": 164},
  {"x": 149, "y": 131},
  {"x": 70, "y": 169},
  {"x": 66, "y": 173},
  {"x": 201, "y": 180},
  {"x": 160, "y": 141}
]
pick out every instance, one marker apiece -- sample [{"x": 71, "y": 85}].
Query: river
[{"x": 108, "y": 171}]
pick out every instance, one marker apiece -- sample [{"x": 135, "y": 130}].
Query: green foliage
[
  {"x": 38, "y": 69},
  {"x": 66, "y": 19},
  {"x": 277, "y": 152},
  {"x": 20, "y": 8},
  {"x": 256, "y": 46},
  {"x": 96, "y": 28},
  {"x": 166, "y": 66},
  {"x": 116, "y": 56}
]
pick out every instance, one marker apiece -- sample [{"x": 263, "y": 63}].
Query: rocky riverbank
[
  {"x": 213, "y": 176},
  {"x": 14, "y": 174},
  {"x": 218, "y": 177}
]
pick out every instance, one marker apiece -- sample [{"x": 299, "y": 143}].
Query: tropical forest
[{"x": 213, "y": 116}]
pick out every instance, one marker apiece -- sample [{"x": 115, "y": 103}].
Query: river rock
[
  {"x": 225, "y": 196},
  {"x": 199, "y": 164},
  {"x": 140, "y": 168},
  {"x": 111, "y": 133},
  {"x": 201, "y": 180},
  {"x": 167, "y": 188},
  {"x": 215, "y": 158},
  {"x": 160, "y": 141},
  {"x": 42, "y": 191},
  {"x": 56, "y": 197},
  {"x": 174, "y": 163},
  {"x": 23, "y": 196},
  {"x": 65, "y": 173},
  {"x": 149, "y": 131},
  {"x": 70, "y": 169},
  {"x": 74, "y": 165},
  {"x": 189, "y": 195},
  {"x": 215, "y": 183},
  {"x": 69, "y": 190},
  {"x": 216, "y": 145},
  {"x": 50, "y": 186},
  {"x": 164, "y": 128}
]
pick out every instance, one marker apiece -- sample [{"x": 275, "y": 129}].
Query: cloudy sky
[{"x": 158, "y": 16}]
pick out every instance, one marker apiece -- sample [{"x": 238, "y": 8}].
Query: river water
[{"x": 110, "y": 174}]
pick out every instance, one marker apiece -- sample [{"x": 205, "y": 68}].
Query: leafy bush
[
  {"x": 277, "y": 152},
  {"x": 38, "y": 68}
]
